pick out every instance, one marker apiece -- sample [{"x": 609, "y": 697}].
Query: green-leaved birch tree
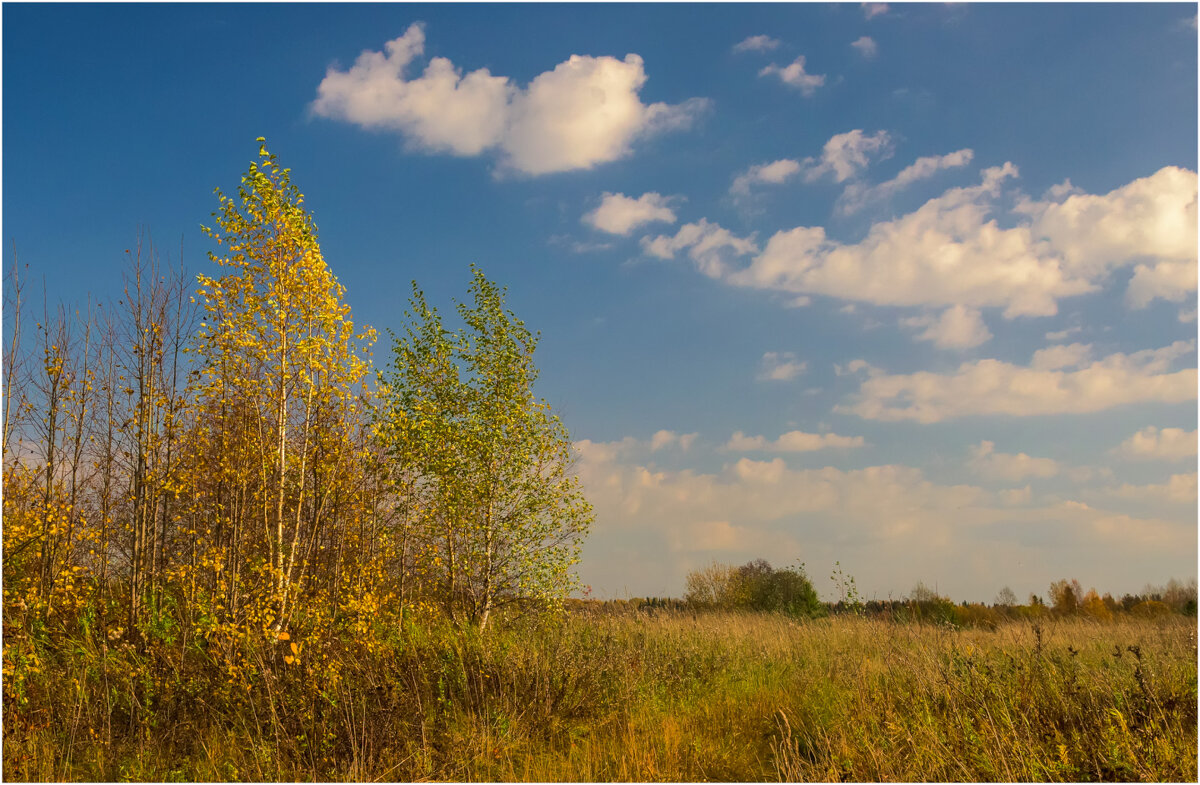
[{"x": 487, "y": 464}]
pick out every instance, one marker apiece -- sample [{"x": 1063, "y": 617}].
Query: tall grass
[{"x": 676, "y": 697}]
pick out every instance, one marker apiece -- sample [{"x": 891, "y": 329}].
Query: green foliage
[
  {"x": 486, "y": 465},
  {"x": 754, "y": 586}
]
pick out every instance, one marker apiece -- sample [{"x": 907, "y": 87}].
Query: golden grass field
[{"x": 671, "y": 697}]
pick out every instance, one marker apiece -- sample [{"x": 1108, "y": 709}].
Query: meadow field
[{"x": 634, "y": 695}]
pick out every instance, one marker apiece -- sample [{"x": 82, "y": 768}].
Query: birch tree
[
  {"x": 281, "y": 366},
  {"x": 490, "y": 462}
]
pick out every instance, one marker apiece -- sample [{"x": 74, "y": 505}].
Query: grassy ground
[{"x": 676, "y": 697}]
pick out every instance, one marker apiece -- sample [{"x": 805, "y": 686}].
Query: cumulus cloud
[
  {"x": 957, "y": 328},
  {"x": 756, "y": 43},
  {"x": 621, "y": 214},
  {"x": 584, "y": 112},
  {"x": 441, "y": 110},
  {"x": 775, "y": 172},
  {"x": 1054, "y": 358},
  {"x": 708, "y": 245},
  {"x": 792, "y": 441},
  {"x": 857, "y": 195},
  {"x": 894, "y": 522},
  {"x": 1180, "y": 489},
  {"x": 664, "y": 439},
  {"x": 992, "y": 387},
  {"x": 953, "y": 251},
  {"x": 780, "y": 367},
  {"x": 865, "y": 46},
  {"x": 872, "y": 10},
  {"x": 794, "y": 75},
  {"x": 986, "y": 462},
  {"x": 1159, "y": 444},
  {"x": 749, "y": 491},
  {"x": 948, "y": 252},
  {"x": 1150, "y": 221}
]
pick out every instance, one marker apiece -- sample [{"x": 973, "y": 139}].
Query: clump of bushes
[{"x": 755, "y": 586}]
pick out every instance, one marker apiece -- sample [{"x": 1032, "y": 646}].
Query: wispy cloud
[
  {"x": 865, "y": 46},
  {"x": 780, "y": 367},
  {"x": 857, "y": 195},
  {"x": 792, "y": 441},
  {"x": 773, "y": 173},
  {"x": 794, "y": 75},
  {"x": 872, "y": 10},
  {"x": 847, "y": 155},
  {"x": 756, "y": 43}
]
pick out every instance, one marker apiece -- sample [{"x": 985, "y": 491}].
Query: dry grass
[{"x": 677, "y": 697}]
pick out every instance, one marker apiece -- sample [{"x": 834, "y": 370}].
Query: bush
[{"x": 756, "y": 586}]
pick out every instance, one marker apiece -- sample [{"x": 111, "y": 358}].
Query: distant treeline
[{"x": 756, "y": 586}]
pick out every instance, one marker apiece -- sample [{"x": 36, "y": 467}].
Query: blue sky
[{"x": 908, "y": 287}]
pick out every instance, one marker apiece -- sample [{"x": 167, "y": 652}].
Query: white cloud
[
  {"x": 957, "y": 328},
  {"x": 1160, "y": 444},
  {"x": 858, "y": 195},
  {"x": 1172, "y": 281},
  {"x": 946, "y": 253},
  {"x": 890, "y": 524},
  {"x": 1016, "y": 497},
  {"x": 952, "y": 250},
  {"x": 866, "y": 46},
  {"x": 1150, "y": 221},
  {"x": 872, "y": 10},
  {"x": 756, "y": 43},
  {"x": 792, "y": 441},
  {"x": 795, "y": 76},
  {"x": 846, "y": 155},
  {"x": 663, "y": 439},
  {"x": 1054, "y": 358},
  {"x": 992, "y": 387},
  {"x": 708, "y": 245},
  {"x": 621, "y": 214},
  {"x": 1059, "y": 335},
  {"x": 584, "y": 112},
  {"x": 851, "y": 368},
  {"x": 775, "y": 172},
  {"x": 441, "y": 110},
  {"x": 748, "y": 492},
  {"x": 986, "y": 462},
  {"x": 780, "y": 367},
  {"x": 1180, "y": 489}
]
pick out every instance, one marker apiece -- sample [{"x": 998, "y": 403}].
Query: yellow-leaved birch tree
[{"x": 280, "y": 378}]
